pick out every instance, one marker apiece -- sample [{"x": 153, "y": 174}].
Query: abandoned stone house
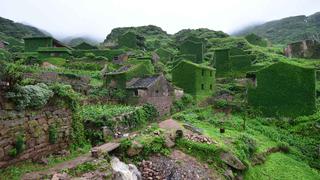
[
  {"x": 283, "y": 89},
  {"x": 154, "y": 89},
  {"x": 46, "y": 47},
  {"x": 303, "y": 49},
  {"x": 194, "y": 79},
  {"x": 191, "y": 50},
  {"x": 232, "y": 60},
  {"x": 3, "y": 44}
]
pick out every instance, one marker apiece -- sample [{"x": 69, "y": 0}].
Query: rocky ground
[{"x": 177, "y": 166}]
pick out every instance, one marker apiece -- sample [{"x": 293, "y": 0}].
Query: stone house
[
  {"x": 194, "y": 50},
  {"x": 132, "y": 69},
  {"x": 283, "y": 89},
  {"x": 231, "y": 61},
  {"x": 303, "y": 49},
  {"x": 194, "y": 79},
  {"x": 155, "y": 90},
  {"x": 46, "y": 47}
]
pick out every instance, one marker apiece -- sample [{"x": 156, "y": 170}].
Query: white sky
[{"x": 97, "y": 18}]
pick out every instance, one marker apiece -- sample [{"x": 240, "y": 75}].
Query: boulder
[
  {"x": 232, "y": 161},
  {"x": 169, "y": 143},
  {"x": 192, "y": 128},
  {"x": 122, "y": 171}
]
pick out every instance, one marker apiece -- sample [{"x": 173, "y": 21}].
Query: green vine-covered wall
[
  {"x": 32, "y": 44},
  {"x": 192, "y": 48},
  {"x": 193, "y": 78},
  {"x": 284, "y": 89}
]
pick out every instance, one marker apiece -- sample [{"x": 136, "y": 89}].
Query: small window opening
[
  {"x": 211, "y": 86},
  {"x": 136, "y": 93},
  {"x": 202, "y": 72},
  {"x": 210, "y": 73},
  {"x": 202, "y": 86}
]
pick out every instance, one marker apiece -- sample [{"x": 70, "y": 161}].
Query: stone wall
[{"x": 34, "y": 126}]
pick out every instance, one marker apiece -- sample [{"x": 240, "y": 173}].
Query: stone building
[
  {"x": 283, "y": 89},
  {"x": 155, "y": 90},
  {"x": 194, "y": 79},
  {"x": 46, "y": 47},
  {"x": 194, "y": 50},
  {"x": 303, "y": 49}
]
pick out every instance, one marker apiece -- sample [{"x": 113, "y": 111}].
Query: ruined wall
[{"x": 44, "y": 132}]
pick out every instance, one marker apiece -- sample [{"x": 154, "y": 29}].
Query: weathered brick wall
[{"x": 34, "y": 126}]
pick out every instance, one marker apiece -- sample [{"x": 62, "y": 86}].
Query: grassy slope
[{"x": 281, "y": 166}]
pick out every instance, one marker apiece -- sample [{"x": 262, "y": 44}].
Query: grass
[
  {"x": 17, "y": 171},
  {"x": 260, "y": 135},
  {"x": 281, "y": 166},
  {"x": 56, "y": 61}
]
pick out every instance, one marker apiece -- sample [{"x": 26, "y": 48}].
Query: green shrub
[
  {"x": 13, "y": 152},
  {"x": 10, "y": 73},
  {"x": 30, "y": 96},
  {"x": 20, "y": 143},
  {"x": 89, "y": 55},
  {"x": 185, "y": 102}
]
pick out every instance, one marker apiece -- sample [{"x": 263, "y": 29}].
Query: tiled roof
[{"x": 142, "y": 83}]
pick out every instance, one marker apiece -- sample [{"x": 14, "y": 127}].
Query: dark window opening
[
  {"x": 202, "y": 72},
  {"x": 136, "y": 93},
  {"x": 202, "y": 86},
  {"x": 211, "y": 86},
  {"x": 157, "y": 91},
  {"x": 210, "y": 73}
]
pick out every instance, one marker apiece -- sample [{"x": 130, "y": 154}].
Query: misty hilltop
[{"x": 288, "y": 29}]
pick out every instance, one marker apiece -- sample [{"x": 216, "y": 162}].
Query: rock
[
  {"x": 229, "y": 174},
  {"x": 59, "y": 176},
  {"x": 179, "y": 134},
  {"x": 169, "y": 143},
  {"x": 43, "y": 160},
  {"x": 122, "y": 171},
  {"x": 135, "y": 149},
  {"x": 106, "y": 131},
  {"x": 63, "y": 153},
  {"x": 232, "y": 161},
  {"x": 193, "y": 129},
  {"x": 48, "y": 65}
]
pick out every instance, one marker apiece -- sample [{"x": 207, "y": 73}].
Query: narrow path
[{"x": 71, "y": 163}]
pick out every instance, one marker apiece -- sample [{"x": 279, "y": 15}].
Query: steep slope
[
  {"x": 287, "y": 30},
  {"x": 18, "y": 30},
  {"x": 73, "y": 41}
]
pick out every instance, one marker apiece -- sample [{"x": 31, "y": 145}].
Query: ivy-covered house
[
  {"x": 46, "y": 47},
  {"x": 131, "y": 40},
  {"x": 284, "y": 89},
  {"x": 155, "y": 90},
  {"x": 194, "y": 79},
  {"x": 85, "y": 46},
  {"x": 231, "y": 61},
  {"x": 194, "y": 50},
  {"x": 133, "y": 69},
  {"x": 165, "y": 55}
]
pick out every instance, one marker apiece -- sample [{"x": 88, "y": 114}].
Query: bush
[
  {"x": 10, "y": 73},
  {"x": 183, "y": 103},
  {"x": 30, "y": 96},
  {"x": 89, "y": 55}
]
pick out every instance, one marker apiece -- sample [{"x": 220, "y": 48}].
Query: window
[
  {"x": 157, "y": 91},
  {"x": 202, "y": 72},
  {"x": 211, "y": 86},
  {"x": 210, "y": 73},
  {"x": 202, "y": 86},
  {"x": 136, "y": 93}
]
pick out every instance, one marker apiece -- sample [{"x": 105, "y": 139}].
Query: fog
[{"x": 96, "y": 18}]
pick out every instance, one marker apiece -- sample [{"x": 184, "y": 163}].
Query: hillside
[
  {"x": 287, "y": 30},
  {"x": 18, "y": 30},
  {"x": 73, "y": 41}
]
